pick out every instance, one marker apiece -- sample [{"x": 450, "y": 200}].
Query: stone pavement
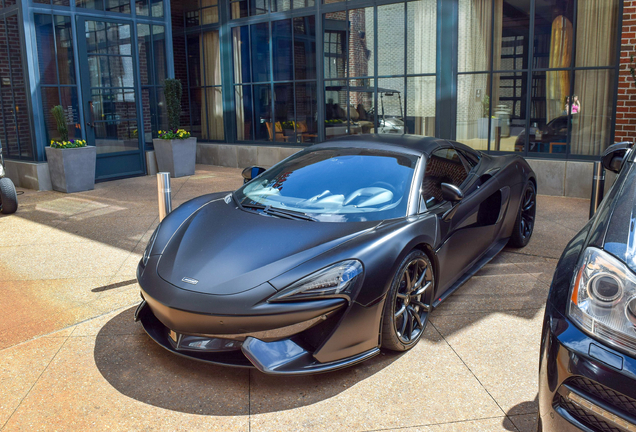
[{"x": 71, "y": 357}]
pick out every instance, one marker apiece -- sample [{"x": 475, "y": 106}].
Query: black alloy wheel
[
  {"x": 524, "y": 225},
  {"x": 408, "y": 303}
]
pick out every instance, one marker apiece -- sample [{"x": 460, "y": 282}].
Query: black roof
[{"x": 415, "y": 143}]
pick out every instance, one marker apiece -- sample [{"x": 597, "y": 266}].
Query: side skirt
[{"x": 485, "y": 259}]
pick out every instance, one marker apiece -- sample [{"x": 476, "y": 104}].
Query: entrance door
[{"x": 109, "y": 91}]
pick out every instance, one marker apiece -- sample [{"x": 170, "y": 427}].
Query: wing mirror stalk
[
  {"x": 614, "y": 156},
  {"x": 454, "y": 195},
  {"x": 251, "y": 172}
]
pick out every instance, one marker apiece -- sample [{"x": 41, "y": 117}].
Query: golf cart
[{"x": 8, "y": 195}]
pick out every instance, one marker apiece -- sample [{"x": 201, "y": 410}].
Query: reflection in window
[
  {"x": 391, "y": 39},
  {"x": 278, "y": 109},
  {"x": 421, "y": 37},
  {"x": 206, "y": 97},
  {"x": 57, "y": 72},
  {"x": 391, "y": 105},
  {"x": 305, "y": 47},
  {"x": 473, "y": 110},
  {"x": 361, "y": 37},
  {"x": 508, "y": 119},
  {"x": 334, "y": 48},
  {"x": 420, "y": 105},
  {"x": 152, "y": 71},
  {"x": 592, "y": 119},
  {"x": 597, "y": 28},
  {"x": 474, "y": 35}
]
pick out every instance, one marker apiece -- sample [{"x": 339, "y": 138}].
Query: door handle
[{"x": 90, "y": 115}]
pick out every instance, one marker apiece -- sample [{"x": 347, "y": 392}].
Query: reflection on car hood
[
  {"x": 620, "y": 238},
  {"x": 225, "y": 250}
]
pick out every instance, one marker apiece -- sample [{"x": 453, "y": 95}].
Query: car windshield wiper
[
  {"x": 276, "y": 211},
  {"x": 291, "y": 214}
]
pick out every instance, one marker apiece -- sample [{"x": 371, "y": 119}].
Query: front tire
[
  {"x": 524, "y": 225},
  {"x": 8, "y": 196},
  {"x": 407, "y": 303}
]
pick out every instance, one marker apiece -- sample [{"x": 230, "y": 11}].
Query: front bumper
[
  {"x": 583, "y": 384},
  {"x": 280, "y": 351}
]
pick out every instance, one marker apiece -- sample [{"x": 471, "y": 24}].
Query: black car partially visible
[{"x": 587, "y": 373}]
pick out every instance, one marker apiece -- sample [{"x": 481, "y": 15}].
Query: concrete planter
[
  {"x": 72, "y": 170},
  {"x": 176, "y": 156}
]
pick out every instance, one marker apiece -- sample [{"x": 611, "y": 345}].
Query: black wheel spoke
[
  {"x": 417, "y": 318},
  {"x": 410, "y": 326},
  {"x": 403, "y": 327},
  {"x": 421, "y": 290},
  {"x": 401, "y": 311},
  {"x": 425, "y": 307},
  {"x": 408, "y": 280}
]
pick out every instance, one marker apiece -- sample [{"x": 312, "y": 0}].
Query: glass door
[{"x": 110, "y": 95}]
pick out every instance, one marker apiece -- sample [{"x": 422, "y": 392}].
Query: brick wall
[{"x": 626, "y": 105}]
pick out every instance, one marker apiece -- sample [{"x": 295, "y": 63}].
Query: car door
[{"x": 467, "y": 232}]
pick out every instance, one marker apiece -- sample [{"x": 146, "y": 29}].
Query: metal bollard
[
  {"x": 598, "y": 187},
  {"x": 164, "y": 194}
]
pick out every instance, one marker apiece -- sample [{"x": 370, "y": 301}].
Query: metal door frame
[{"x": 86, "y": 91}]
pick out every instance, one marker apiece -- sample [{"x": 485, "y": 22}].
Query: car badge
[{"x": 190, "y": 280}]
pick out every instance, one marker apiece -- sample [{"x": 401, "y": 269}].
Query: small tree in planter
[
  {"x": 175, "y": 149},
  {"x": 71, "y": 161}
]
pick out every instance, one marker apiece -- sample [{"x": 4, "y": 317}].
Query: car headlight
[
  {"x": 151, "y": 243},
  {"x": 603, "y": 299},
  {"x": 337, "y": 280}
]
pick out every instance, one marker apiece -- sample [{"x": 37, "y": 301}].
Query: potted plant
[
  {"x": 71, "y": 161},
  {"x": 175, "y": 149}
]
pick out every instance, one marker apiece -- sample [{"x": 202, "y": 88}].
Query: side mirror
[
  {"x": 251, "y": 172},
  {"x": 614, "y": 156},
  {"x": 451, "y": 193}
]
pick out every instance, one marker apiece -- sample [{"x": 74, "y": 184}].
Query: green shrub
[
  {"x": 60, "y": 119},
  {"x": 172, "y": 90}
]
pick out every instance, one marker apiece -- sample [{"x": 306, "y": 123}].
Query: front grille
[
  {"x": 587, "y": 418},
  {"x": 606, "y": 394}
]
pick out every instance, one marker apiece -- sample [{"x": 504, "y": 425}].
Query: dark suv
[{"x": 587, "y": 373}]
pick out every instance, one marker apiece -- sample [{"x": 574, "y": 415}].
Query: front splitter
[{"x": 283, "y": 357}]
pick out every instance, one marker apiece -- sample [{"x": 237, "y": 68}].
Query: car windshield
[{"x": 336, "y": 185}]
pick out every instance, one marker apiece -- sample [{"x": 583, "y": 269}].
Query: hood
[
  {"x": 620, "y": 237},
  {"x": 227, "y": 250}
]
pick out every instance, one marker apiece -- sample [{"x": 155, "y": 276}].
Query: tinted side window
[
  {"x": 472, "y": 158},
  {"x": 443, "y": 166}
]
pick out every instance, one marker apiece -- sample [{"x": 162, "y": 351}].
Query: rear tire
[
  {"x": 407, "y": 304},
  {"x": 8, "y": 196},
  {"x": 524, "y": 225}
]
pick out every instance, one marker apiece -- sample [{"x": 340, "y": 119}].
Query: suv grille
[
  {"x": 587, "y": 418},
  {"x": 606, "y": 394}
]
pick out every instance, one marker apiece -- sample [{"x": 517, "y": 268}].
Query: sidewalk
[{"x": 71, "y": 357}]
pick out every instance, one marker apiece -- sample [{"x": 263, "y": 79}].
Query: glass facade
[
  {"x": 534, "y": 77},
  {"x": 542, "y": 83}
]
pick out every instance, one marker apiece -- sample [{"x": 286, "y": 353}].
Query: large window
[
  {"x": 151, "y": 43},
  {"x": 542, "y": 84},
  {"x": 58, "y": 84},
  {"x": 204, "y": 77},
  {"x": 275, "y": 95},
  {"x": 388, "y": 91}
]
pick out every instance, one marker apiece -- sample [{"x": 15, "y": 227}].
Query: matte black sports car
[
  {"x": 340, "y": 250},
  {"x": 587, "y": 374}
]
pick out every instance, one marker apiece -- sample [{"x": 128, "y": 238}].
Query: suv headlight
[
  {"x": 151, "y": 243},
  {"x": 603, "y": 299},
  {"x": 337, "y": 280}
]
